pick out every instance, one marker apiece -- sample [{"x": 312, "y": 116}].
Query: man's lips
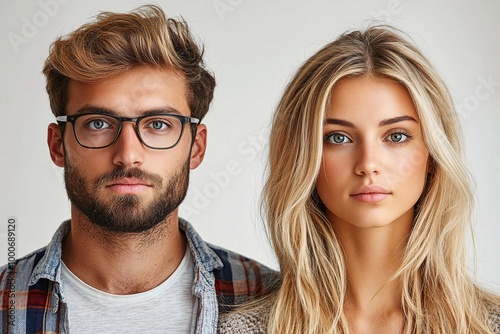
[
  {"x": 370, "y": 194},
  {"x": 128, "y": 186}
]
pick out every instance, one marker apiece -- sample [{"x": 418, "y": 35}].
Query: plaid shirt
[{"x": 33, "y": 300}]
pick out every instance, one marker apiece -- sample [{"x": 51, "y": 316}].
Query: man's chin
[
  {"x": 126, "y": 223},
  {"x": 129, "y": 214},
  {"x": 125, "y": 202}
]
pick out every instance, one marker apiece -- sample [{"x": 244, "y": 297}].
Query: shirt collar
[
  {"x": 49, "y": 266},
  {"x": 204, "y": 257}
]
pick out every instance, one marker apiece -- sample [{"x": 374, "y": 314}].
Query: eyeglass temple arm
[
  {"x": 194, "y": 120},
  {"x": 61, "y": 119}
]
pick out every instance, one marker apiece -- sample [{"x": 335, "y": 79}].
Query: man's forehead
[{"x": 138, "y": 91}]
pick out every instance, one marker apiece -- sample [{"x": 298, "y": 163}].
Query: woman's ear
[
  {"x": 199, "y": 146},
  {"x": 55, "y": 142}
]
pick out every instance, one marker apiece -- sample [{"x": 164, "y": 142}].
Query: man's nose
[{"x": 129, "y": 149}]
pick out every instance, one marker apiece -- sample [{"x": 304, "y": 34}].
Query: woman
[{"x": 368, "y": 199}]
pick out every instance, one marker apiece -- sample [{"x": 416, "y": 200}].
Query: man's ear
[
  {"x": 199, "y": 146},
  {"x": 55, "y": 142}
]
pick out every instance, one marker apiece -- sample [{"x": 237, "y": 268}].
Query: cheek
[
  {"x": 331, "y": 175},
  {"x": 408, "y": 168},
  {"x": 87, "y": 161},
  {"x": 77, "y": 154},
  {"x": 333, "y": 164}
]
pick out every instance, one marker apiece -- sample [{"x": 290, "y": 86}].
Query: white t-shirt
[{"x": 168, "y": 308}]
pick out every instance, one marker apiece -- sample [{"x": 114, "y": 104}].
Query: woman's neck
[{"x": 372, "y": 257}]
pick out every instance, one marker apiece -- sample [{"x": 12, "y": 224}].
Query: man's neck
[{"x": 123, "y": 263}]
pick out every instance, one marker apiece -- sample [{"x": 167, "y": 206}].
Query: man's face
[{"x": 128, "y": 187}]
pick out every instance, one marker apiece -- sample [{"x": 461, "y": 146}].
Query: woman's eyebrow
[
  {"x": 398, "y": 119},
  {"x": 384, "y": 122},
  {"x": 337, "y": 121}
]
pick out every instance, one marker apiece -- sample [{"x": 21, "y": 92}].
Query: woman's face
[{"x": 374, "y": 156}]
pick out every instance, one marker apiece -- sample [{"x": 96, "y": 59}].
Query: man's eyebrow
[
  {"x": 94, "y": 109},
  {"x": 107, "y": 111},
  {"x": 167, "y": 110},
  {"x": 384, "y": 122},
  {"x": 398, "y": 119}
]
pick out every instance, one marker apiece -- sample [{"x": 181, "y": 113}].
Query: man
[{"x": 128, "y": 92}]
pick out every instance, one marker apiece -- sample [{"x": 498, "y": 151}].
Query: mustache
[{"x": 136, "y": 173}]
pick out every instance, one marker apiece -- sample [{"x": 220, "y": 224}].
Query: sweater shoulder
[
  {"x": 494, "y": 319},
  {"x": 251, "y": 321}
]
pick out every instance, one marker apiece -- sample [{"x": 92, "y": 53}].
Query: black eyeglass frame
[{"x": 61, "y": 120}]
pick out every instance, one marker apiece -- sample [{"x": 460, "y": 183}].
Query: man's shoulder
[
  {"x": 239, "y": 266},
  {"x": 22, "y": 296},
  {"x": 21, "y": 269},
  {"x": 228, "y": 264},
  {"x": 241, "y": 279},
  {"x": 44, "y": 261}
]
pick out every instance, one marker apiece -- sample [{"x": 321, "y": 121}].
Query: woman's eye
[
  {"x": 338, "y": 138},
  {"x": 398, "y": 137}
]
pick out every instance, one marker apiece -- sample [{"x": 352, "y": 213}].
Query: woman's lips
[
  {"x": 370, "y": 194},
  {"x": 370, "y": 197}
]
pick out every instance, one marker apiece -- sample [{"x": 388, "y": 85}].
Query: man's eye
[
  {"x": 159, "y": 125},
  {"x": 337, "y": 138},
  {"x": 98, "y": 124}
]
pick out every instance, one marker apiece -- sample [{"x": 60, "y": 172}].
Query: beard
[{"x": 127, "y": 213}]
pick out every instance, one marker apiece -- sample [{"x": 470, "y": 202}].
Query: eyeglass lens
[{"x": 157, "y": 131}]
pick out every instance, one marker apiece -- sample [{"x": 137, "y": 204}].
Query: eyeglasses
[{"x": 159, "y": 131}]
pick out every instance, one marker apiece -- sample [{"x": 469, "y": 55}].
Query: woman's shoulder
[
  {"x": 245, "y": 321},
  {"x": 494, "y": 318}
]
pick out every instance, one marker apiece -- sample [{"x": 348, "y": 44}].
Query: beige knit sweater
[
  {"x": 255, "y": 321},
  {"x": 248, "y": 322}
]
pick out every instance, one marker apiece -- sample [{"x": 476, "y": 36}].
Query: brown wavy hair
[{"x": 117, "y": 42}]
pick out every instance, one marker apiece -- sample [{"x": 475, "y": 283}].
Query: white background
[{"x": 253, "y": 47}]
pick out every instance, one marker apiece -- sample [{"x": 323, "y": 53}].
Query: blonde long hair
[{"x": 438, "y": 294}]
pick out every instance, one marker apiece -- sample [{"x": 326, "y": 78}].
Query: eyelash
[
  {"x": 399, "y": 131},
  {"x": 333, "y": 133},
  {"x": 403, "y": 132}
]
